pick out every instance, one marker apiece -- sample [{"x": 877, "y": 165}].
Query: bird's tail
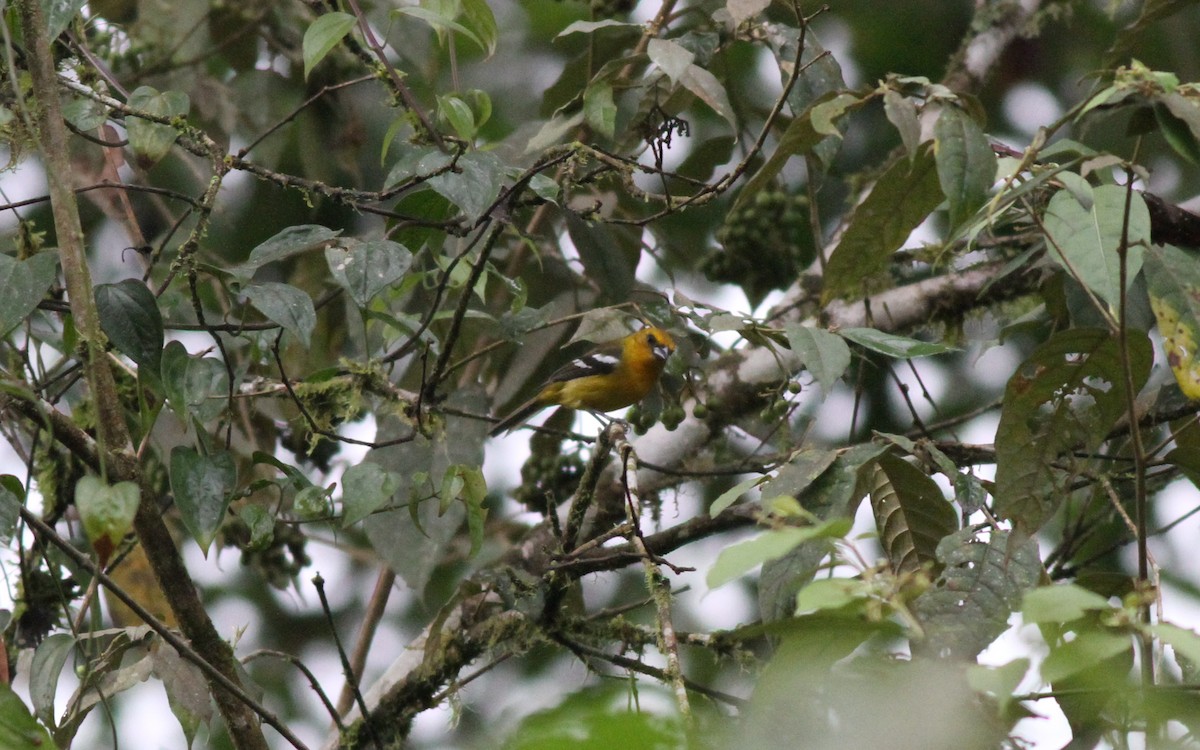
[{"x": 517, "y": 416}]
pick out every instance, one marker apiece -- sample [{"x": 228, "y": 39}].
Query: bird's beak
[{"x": 661, "y": 351}]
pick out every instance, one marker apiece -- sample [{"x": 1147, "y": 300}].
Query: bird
[{"x": 611, "y": 376}]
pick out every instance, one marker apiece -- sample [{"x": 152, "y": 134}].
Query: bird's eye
[{"x": 651, "y": 340}]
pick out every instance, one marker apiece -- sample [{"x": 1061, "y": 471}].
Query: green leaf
[
  {"x": 609, "y": 255},
  {"x": 23, "y": 284},
  {"x": 981, "y": 584},
  {"x": 831, "y": 593},
  {"x": 590, "y": 27},
  {"x": 902, "y": 113},
  {"x": 825, "y": 113},
  {"x": 595, "y": 718},
  {"x": 902, "y": 198},
  {"x": 1089, "y": 649},
  {"x": 130, "y": 318},
  {"x": 451, "y": 489},
  {"x": 1177, "y": 133},
  {"x": 312, "y": 503},
  {"x": 800, "y": 472},
  {"x": 743, "y": 10},
  {"x": 415, "y": 539},
  {"x": 364, "y": 269},
  {"x": 599, "y": 109},
  {"x": 196, "y": 387},
  {"x": 18, "y": 729},
  {"x": 800, "y": 138},
  {"x": 892, "y": 345},
  {"x": 731, "y": 495},
  {"x": 1062, "y": 401},
  {"x": 822, "y": 353},
  {"x": 911, "y": 514},
  {"x": 1084, "y": 241},
  {"x": 151, "y": 141},
  {"x": 1186, "y": 644},
  {"x": 966, "y": 164},
  {"x": 440, "y": 22},
  {"x": 365, "y": 488},
  {"x": 286, "y": 305},
  {"x": 709, "y": 89},
  {"x": 1173, "y": 282},
  {"x": 1060, "y": 603},
  {"x": 474, "y": 494},
  {"x": 59, "y": 14},
  {"x": 479, "y": 17},
  {"x": 44, "y": 673},
  {"x": 820, "y": 81},
  {"x": 458, "y": 113},
  {"x": 261, "y": 524},
  {"x": 671, "y": 57},
  {"x": 969, "y": 492},
  {"x": 106, "y": 512},
  {"x": 323, "y": 35},
  {"x": 203, "y": 486},
  {"x": 1181, "y": 122},
  {"x": 286, "y": 243},
  {"x": 187, "y": 690},
  {"x": 738, "y": 559},
  {"x": 85, "y": 114},
  {"x": 999, "y": 682},
  {"x": 473, "y": 187},
  {"x": 829, "y": 484},
  {"x": 12, "y": 497}
]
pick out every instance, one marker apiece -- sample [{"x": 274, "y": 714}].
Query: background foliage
[{"x": 921, "y": 470}]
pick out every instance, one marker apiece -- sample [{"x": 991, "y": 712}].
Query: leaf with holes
[
  {"x": 1061, "y": 402},
  {"x": 981, "y": 585},
  {"x": 364, "y": 269}
]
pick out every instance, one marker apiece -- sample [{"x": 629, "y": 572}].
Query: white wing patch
[{"x": 599, "y": 362}]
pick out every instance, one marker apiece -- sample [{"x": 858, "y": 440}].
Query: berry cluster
[
  {"x": 765, "y": 243},
  {"x": 547, "y": 480},
  {"x": 672, "y": 416}
]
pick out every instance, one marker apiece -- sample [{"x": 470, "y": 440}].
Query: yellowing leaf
[{"x": 1173, "y": 280}]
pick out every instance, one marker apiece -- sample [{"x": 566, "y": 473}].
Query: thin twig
[
  {"x": 347, "y": 670},
  {"x": 312, "y": 678},
  {"x": 366, "y": 634},
  {"x": 656, "y": 582}
]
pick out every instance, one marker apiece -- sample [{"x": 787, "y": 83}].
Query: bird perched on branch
[{"x": 609, "y": 377}]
